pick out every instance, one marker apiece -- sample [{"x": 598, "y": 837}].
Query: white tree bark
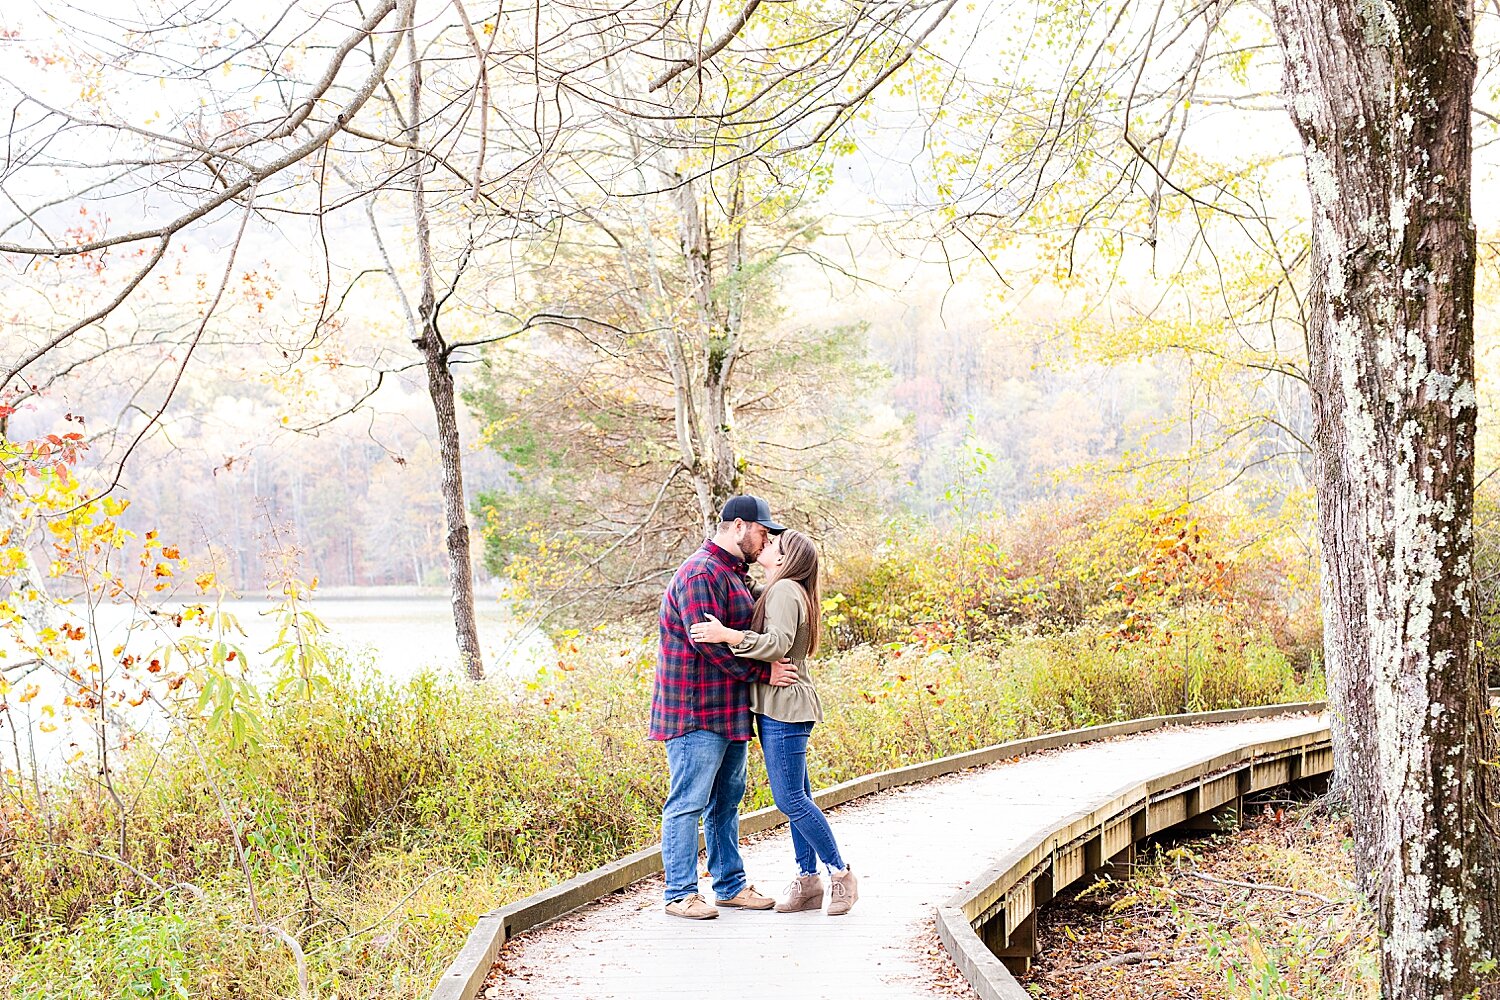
[{"x": 1380, "y": 91}]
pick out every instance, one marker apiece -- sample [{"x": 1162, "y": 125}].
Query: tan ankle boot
[
  {"x": 843, "y": 890},
  {"x": 804, "y": 893}
]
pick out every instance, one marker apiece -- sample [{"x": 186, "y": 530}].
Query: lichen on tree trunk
[{"x": 1380, "y": 93}]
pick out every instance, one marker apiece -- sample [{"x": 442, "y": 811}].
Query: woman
[{"x": 788, "y": 622}]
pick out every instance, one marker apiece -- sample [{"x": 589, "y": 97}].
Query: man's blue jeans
[
  {"x": 708, "y": 781},
  {"x": 785, "y": 747}
]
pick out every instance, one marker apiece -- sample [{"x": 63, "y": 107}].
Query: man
[{"x": 700, "y": 706}]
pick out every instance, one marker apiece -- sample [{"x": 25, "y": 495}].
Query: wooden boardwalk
[{"x": 912, "y": 847}]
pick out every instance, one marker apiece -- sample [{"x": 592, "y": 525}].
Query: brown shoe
[
  {"x": 748, "y": 899},
  {"x": 804, "y": 893},
  {"x": 693, "y": 907},
  {"x": 843, "y": 890}
]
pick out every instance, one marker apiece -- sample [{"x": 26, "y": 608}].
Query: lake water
[
  {"x": 399, "y": 635},
  {"x": 405, "y": 635}
]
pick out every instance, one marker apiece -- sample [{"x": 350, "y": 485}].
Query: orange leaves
[
  {"x": 46, "y": 457},
  {"x": 1179, "y": 569},
  {"x": 87, "y": 701}
]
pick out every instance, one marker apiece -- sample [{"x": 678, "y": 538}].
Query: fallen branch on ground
[{"x": 1260, "y": 885}]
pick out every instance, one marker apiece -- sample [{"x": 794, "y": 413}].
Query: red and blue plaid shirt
[{"x": 704, "y": 686}]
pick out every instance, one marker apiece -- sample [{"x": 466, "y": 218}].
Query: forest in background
[{"x": 361, "y": 494}]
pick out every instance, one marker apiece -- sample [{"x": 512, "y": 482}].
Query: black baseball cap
[{"x": 748, "y": 508}]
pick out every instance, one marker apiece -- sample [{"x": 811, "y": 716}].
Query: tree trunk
[
  {"x": 440, "y": 387},
  {"x": 1380, "y": 93},
  {"x": 723, "y": 352},
  {"x": 717, "y": 468}
]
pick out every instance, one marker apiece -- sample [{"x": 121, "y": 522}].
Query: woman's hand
[{"x": 714, "y": 630}]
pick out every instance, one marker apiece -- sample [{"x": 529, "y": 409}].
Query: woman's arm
[
  {"x": 784, "y": 609},
  {"x": 714, "y": 631}
]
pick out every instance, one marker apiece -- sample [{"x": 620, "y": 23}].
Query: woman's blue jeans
[{"x": 785, "y": 747}]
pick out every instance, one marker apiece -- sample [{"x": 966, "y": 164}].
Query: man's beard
[{"x": 751, "y": 554}]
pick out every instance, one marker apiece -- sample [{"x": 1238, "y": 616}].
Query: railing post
[{"x": 1017, "y": 955}]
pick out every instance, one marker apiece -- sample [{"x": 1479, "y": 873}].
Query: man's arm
[{"x": 702, "y": 597}]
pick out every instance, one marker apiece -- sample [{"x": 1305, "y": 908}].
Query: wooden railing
[{"x": 990, "y": 927}]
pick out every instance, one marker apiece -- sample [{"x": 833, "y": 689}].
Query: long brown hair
[{"x": 799, "y": 562}]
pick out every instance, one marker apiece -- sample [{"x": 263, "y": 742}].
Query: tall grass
[{"x": 378, "y": 820}]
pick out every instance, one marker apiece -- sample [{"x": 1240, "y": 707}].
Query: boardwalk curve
[{"x": 934, "y": 848}]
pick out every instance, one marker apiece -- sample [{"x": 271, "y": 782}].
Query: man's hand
[{"x": 783, "y": 673}]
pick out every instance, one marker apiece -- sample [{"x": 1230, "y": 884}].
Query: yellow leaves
[
  {"x": 205, "y": 581},
  {"x": 113, "y": 507},
  {"x": 162, "y": 570}
]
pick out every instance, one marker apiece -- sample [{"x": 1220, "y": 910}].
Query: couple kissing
[{"x": 733, "y": 662}]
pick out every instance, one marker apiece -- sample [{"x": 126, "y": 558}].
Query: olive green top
[{"x": 787, "y": 634}]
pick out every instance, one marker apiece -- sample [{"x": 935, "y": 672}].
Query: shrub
[{"x": 1101, "y": 563}]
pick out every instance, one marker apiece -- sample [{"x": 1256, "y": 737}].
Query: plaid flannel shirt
[{"x": 704, "y": 686}]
